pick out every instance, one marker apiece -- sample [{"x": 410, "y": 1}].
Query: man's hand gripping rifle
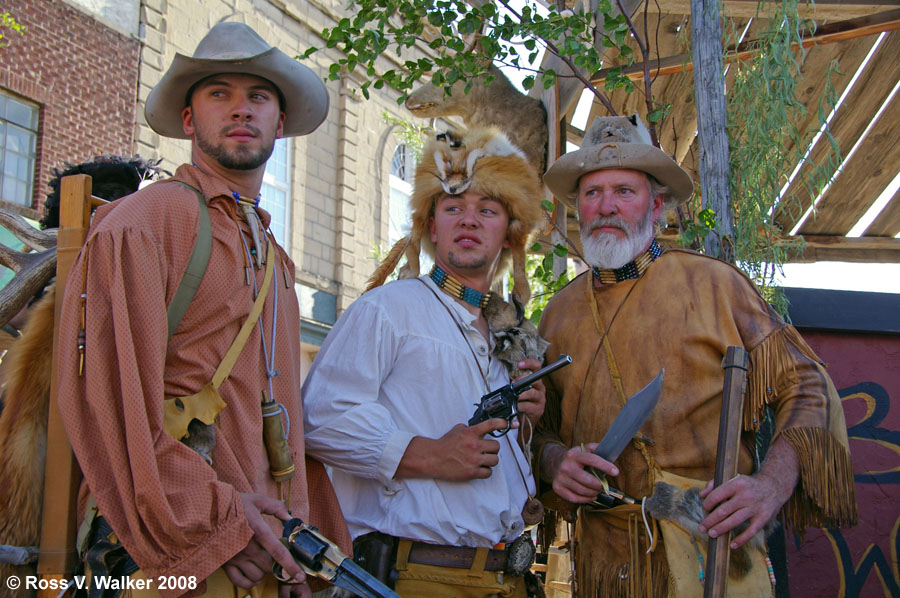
[
  {"x": 504, "y": 401},
  {"x": 320, "y": 557}
]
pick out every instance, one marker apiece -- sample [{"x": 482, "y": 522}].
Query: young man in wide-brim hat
[
  {"x": 163, "y": 412},
  {"x": 640, "y": 310}
]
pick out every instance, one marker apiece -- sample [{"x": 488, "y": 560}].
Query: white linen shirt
[{"x": 395, "y": 366}]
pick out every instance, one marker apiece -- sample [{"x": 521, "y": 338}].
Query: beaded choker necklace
[
  {"x": 633, "y": 269},
  {"x": 458, "y": 289}
]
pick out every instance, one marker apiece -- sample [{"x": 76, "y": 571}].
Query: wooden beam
[
  {"x": 826, "y": 34},
  {"x": 827, "y": 10},
  {"x": 887, "y": 223},
  {"x": 827, "y": 248},
  {"x": 573, "y": 134},
  {"x": 862, "y": 179},
  {"x": 61, "y": 473},
  {"x": 853, "y": 116}
]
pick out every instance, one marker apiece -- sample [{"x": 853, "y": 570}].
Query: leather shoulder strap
[{"x": 196, "y": 267}]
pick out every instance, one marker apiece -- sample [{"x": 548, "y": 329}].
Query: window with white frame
[
  {"x": 276, "y": 191},
  {"x": 403, "y": 168},
  {"x": 18, "y": 146}
]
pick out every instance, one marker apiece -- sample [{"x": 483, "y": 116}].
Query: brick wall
[{"x": 83, "y": 75}]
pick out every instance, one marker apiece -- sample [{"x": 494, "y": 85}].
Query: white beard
[{"x": 606, "y": 250}]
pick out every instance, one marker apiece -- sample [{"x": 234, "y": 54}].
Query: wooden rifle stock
[{"x": 735, "y": 364}]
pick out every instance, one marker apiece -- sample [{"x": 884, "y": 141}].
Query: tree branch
[
  {"x": 645, "y": 54},
  {"x": 552, "y": 47}
]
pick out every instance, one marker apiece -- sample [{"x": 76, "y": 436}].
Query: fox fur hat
[{"x": 483, "y": 161}]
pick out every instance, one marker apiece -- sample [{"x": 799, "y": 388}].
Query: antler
[
  {"x": 33, "y": 269},
  {"x": 34, "y": 238}
]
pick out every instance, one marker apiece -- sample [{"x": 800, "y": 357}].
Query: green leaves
[
  {"x": 439, "y": 35},
  {"x": 7, "y": 21}
]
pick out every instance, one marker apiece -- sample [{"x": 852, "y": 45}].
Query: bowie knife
[{"x": 629, "y": 420}]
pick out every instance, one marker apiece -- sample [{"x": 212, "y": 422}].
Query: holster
[{"x": 376, "y": 553}]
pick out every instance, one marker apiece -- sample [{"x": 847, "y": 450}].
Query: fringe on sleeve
[
  {"x": 770, "y": 360},
  {"x": 825, "y": 496}
]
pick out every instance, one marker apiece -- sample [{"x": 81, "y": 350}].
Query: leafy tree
[{"x": 456, "y": 40}]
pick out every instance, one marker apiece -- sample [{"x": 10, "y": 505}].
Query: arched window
[{"x": 403, "y": 168}]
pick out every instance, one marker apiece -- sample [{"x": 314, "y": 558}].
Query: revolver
[
  {"x": 504, "y": 401},
  {"x": 320, "y": 557}
]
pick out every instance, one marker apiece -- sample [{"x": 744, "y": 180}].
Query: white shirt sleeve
[{"x": 344, "y": 424}]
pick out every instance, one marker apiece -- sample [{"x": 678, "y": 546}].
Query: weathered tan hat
[
  {"x": 483, "y": 161},
  {"x": 618, "y": 142},
  {"x": 236, "y": 48}
]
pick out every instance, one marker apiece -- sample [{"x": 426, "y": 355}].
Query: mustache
[
  {"x": 249, "y": 127},
  {"x": 616, "y": 221}
]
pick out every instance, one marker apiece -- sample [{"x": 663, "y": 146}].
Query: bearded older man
[{"x": 637, "y": 311}]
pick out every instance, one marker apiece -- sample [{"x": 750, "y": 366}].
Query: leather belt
[{"x": 456, "y": 557}]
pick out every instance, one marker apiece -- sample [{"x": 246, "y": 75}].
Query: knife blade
[{"x": 629, "y": 420}]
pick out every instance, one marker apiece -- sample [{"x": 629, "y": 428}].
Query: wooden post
[
  {"x": 61, "y": 474},
  {"x": 735, "y": 364},
  {"x": 709, "y": 89},
  {"x": 556, "y": 146}
]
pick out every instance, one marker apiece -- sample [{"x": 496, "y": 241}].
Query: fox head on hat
[{"x": 482, "y": 161}]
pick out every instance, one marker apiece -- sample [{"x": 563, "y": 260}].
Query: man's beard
[
  {"x": 237, "y": 159},
  {"x": 460, "y": 263},
  {"x": 606, "y": 250}
]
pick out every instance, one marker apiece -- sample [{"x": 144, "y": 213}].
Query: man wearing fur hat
[
  {"x": 388, "y": 397},
  {"x": 640, "y": 310},
  {"x": 135, "y": 380}
]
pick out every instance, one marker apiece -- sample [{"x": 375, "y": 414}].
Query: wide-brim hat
[
  {"x": 618, "y": 142},
  {"x": 236, "y": 48},
  {"x": 482, "y": 161}
]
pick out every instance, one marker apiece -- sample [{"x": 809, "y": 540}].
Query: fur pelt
[
  {"x": 685, "y": 507},
  {"x": 23, "y": 433},
  {"x": 496, "y": 104},
  {"x": 484, "y": 162},
  {"x": 516, "y": 336},
  {"x": 112, "y": 177}
]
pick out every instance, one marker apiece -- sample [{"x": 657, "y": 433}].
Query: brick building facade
[
  {"x": 74, "y": 77},
  {"x": 87, "y": 66}
]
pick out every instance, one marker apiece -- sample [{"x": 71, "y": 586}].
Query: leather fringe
[
  {"x": 547, "y": 530},
  {"x": 769, "y": 359},
  {"x": 611, "y": 581},
  {"x": 826, "y": 494},
  {"x": 388, "y": 265}
]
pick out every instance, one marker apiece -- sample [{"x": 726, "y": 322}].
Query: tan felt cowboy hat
[
  {"x": 235, "y": 48},
  {"x": 623, "y": 143}
]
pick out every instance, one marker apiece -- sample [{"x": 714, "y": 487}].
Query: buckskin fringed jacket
[{"x": 681, "y": 315}]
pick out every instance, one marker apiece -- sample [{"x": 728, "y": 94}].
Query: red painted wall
[{"x": 860, "y": 561}]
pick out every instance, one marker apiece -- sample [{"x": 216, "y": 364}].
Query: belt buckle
[{"x": 519, "y": 556}]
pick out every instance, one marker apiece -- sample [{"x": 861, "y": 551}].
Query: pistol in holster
[{"x": 376, "y": 553}]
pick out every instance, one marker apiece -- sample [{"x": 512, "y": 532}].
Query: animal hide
[
  {"x": 516, "y": 336},
  {"x": 685, "y": 507},
  {"x": 23, "y": 434},
  {"x": 497, "y": 104}
]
